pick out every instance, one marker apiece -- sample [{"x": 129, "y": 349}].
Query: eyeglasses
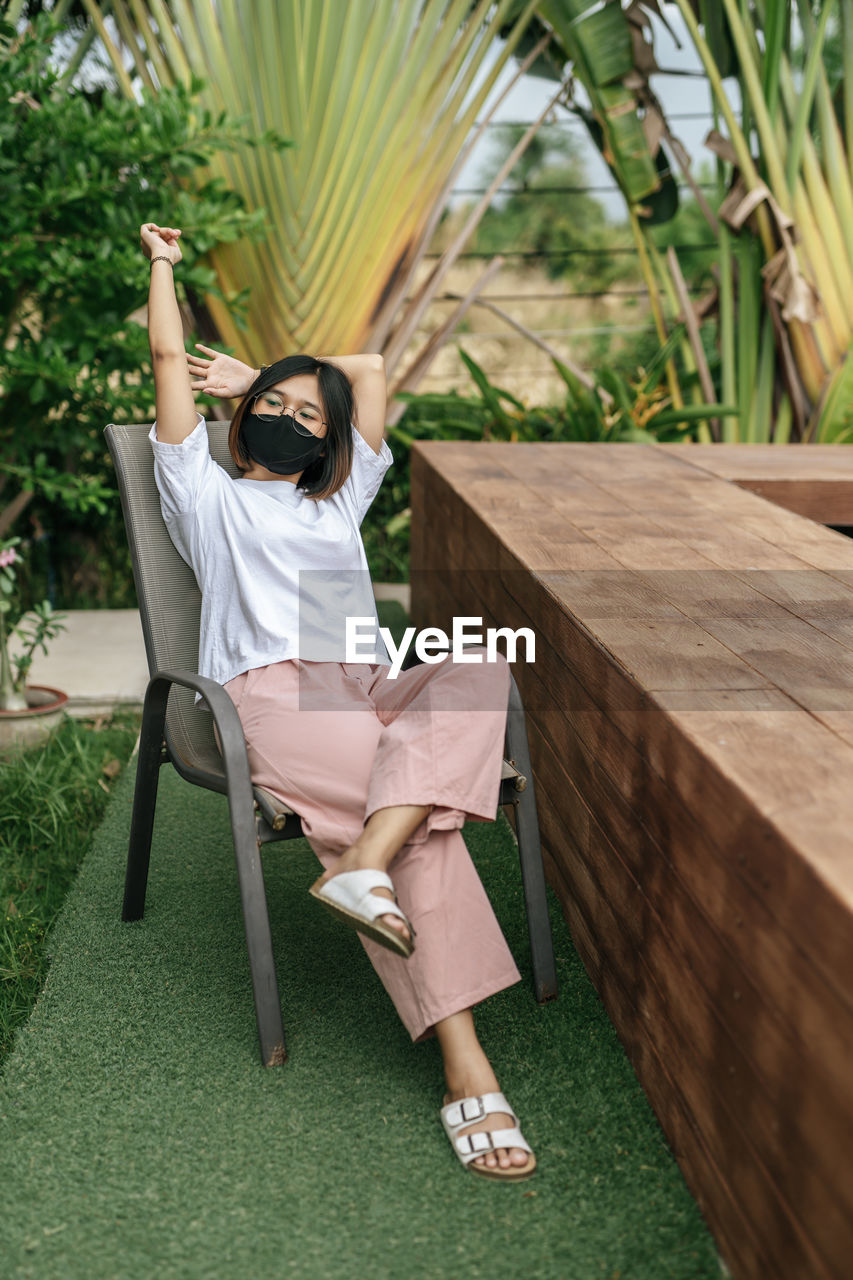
[{"x": 269, "y": 405}]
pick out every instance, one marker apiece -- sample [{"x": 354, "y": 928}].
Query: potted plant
[{"x": 26, "y": 711}]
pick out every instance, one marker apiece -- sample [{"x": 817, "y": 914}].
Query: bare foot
[
  {"x": 357, "y": 858},
  {"x": 480, "y": 1079}
]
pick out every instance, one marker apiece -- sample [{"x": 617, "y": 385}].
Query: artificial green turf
[
  {"x": 141, "y": 1137},
  {"x": 51, "y": 798}
]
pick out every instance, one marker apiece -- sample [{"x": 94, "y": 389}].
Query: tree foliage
[
  {"x": 79, "y": 172},
  {"x": 550, "y": 213}
]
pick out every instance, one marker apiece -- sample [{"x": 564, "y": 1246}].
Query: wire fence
[
  {"x": 557, "y": 297},
  {"x": 575, "y": 121},
  {"x": 526, "y": 190},
  {"x": 586, "y": 331},
  {"x": 586, "y": 252}
]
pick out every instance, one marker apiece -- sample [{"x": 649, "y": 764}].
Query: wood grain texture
[
  {"x": 813, "y": 480},
  {"x": 691, "y": 726}
]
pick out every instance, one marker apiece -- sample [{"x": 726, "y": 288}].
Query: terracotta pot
[{"x": 45, "y": 708}]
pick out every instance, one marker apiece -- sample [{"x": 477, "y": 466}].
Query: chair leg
[
  {"x": 148, "y": 764},
  {"x": 250, "y": 873},
  {"x": 250, "y": 876},
  {"x": 530, "y": 854}
]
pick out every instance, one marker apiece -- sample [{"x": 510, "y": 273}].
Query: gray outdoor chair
[{"x": 174, "y": 729}]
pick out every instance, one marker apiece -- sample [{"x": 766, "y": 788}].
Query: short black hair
[{"x": 326, "y": 474}]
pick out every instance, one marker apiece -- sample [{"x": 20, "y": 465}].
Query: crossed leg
[
  {"x": 467, "y": 1070},
  {"x": 320, "y": 758}
]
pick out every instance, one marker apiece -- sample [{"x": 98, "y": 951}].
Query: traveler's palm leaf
[{"x": 378, "y": 96}]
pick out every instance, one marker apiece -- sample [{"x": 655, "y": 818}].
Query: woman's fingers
[
  {"x": 220, "y": 389},
  {"x": 202, "y": 369},
  {"x": 165, "y": 233}
]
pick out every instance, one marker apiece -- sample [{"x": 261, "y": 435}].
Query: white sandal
[
  {"x": 350, "y": 897},
  {"x": 468, "y": 1146}
]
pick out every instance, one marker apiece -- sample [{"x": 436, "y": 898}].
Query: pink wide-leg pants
[{"x": 336, "y": 741}]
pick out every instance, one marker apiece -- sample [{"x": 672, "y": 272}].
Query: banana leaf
[
  {"x": 378, "y": 97},
  {"x": 597, "y": 41},
  {"x": 712, "y": 15},
  {"x": 835, "y": 414},
  {"x": 694, "y": 413}
]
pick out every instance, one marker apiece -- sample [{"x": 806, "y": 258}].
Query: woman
[{"x": 375, "y": 766}]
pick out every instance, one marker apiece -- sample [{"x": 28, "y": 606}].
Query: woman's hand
[
  {"x": 222, "y": 376},
  {"x": 160, "y": 240},
  {"x": 176, "y": 413}
]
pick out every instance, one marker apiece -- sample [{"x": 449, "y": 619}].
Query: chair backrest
[{"x": 168, "y": 594}]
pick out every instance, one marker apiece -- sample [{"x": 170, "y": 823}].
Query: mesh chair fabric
[{"x": 169, "y": 597}]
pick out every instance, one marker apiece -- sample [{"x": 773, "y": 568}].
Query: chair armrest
[{"x": 225, "y": 718}]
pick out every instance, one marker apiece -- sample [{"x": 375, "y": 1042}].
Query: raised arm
[
  {"x": 176, "y": 412},
  {"x": 370, "y": 389},
  {"x": 225, "y": 376}
]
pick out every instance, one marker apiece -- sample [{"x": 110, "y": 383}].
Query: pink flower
[{"x": 7, "y": 557}]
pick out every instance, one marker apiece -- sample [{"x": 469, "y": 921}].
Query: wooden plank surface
[
  {"x": 691, "y": 720},
  {"x": 768, "y": 461},
  {"x": 590, "y": 754},
  {"x": 814, "y": 480},
  {"x": 715, "y": 1069}
]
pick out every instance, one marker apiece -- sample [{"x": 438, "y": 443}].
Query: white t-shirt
[{"x": 279, "y": 571}]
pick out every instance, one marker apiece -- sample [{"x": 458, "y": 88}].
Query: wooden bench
[
  {"x": 690, "y": 711},
  {"x": 815, "y": 480}
]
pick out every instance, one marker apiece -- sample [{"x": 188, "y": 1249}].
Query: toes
[
  {"x": 393, "y": 921},
  {"x": 503, "y": 1158},
  {"x": 397, "y": 925}
]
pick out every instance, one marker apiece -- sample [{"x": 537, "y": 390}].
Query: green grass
[
  {"x": 51, "y": 800},
  {"x": 141, "y": 1136}
]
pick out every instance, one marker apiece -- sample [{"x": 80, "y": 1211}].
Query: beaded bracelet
[{"x": 161, "y": 257}]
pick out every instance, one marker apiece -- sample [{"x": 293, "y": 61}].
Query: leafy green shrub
[{"x": 79, "y": 172}]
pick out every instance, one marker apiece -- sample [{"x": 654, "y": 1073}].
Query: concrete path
[{"x": 99, "y": 660}]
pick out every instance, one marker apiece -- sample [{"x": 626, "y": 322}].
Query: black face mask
[{"x": 278, "y": 446}]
